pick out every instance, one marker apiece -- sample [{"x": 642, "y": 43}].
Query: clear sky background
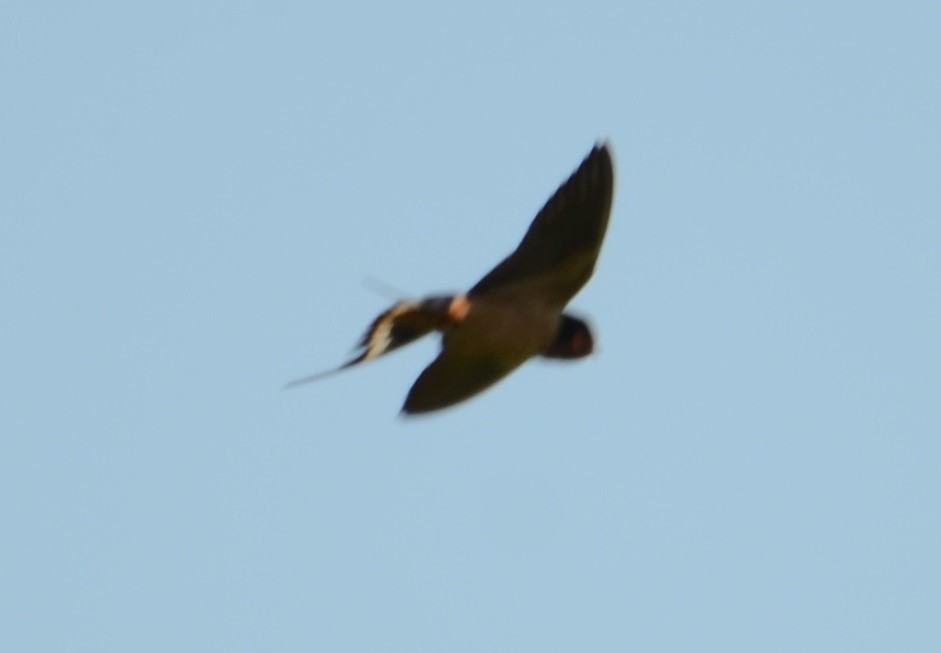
[{"x": 194, "y": 193}]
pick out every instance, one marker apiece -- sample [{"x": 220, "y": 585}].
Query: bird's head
[{"x": 573, "y": 339}]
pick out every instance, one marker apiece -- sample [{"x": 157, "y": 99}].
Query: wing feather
[
  {"x": 558, "y": 253},
  {"x": 453, "y": 377}
]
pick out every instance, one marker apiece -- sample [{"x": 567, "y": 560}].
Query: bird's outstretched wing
[
  {"x": 557, "y": 255},
  {"x": 453, "y": 377}
]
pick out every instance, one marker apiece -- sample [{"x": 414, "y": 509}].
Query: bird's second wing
[
  {"x": 558, "y": 253},
  {"x": 453, "y": 377}
]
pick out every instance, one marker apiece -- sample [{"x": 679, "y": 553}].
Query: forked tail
[{"x": 405, "y": 322}]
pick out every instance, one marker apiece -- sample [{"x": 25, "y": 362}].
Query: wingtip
[
  {"x": 407, "y": 411},
  {"x": 411, "y": 407},
  {"x": 410, "y": 415},
  {"x": 604, "y": 146}
]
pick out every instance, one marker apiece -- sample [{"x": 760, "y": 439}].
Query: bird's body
[
  {"x": 515, "y": 312},
  {"x": 505, "y": 328}
]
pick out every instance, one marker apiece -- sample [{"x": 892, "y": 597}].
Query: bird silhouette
[{"x": 516, "y": 311}]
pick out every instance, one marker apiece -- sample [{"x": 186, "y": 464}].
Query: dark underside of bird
[{"x": 516, "y": 311}]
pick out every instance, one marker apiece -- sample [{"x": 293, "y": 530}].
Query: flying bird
[{"x": 515, "y": 312}]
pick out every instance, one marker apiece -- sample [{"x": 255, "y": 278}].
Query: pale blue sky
[{"x": 193, "y": 193}]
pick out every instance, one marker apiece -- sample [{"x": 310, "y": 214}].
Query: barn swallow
[{"x": 515, "y": 312}]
